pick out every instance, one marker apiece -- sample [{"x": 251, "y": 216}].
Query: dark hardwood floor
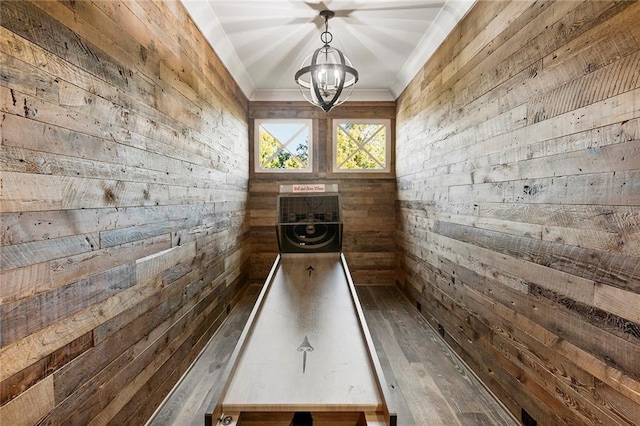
[{"x": 429, "y": 384}]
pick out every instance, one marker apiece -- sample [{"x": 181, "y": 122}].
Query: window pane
[
  {"x": 283, "y": 145},
  {"x": 361, "y": 146}
]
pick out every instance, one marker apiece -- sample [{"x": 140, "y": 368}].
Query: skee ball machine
[{"x": 305, "y": 356}]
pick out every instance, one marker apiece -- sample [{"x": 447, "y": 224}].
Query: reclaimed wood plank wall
[
  {"x": 368, "y": 200},
  {"x": 125, "y": 232},
  {"x": 518, "y": 168}
]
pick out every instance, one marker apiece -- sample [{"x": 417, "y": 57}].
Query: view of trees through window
[
  {"x": 284, "y": 145},
  {"x": 361, "y": 146}
]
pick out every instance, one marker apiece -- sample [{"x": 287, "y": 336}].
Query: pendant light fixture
[{"x": 326, "y": 77}]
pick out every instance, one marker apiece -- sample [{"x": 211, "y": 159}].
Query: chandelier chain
[{"x": 326, "y": 37}]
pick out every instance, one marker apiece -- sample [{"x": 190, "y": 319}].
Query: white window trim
[
  {"x": 256, "y": 145},
  {"x": 334, "y": 142}
]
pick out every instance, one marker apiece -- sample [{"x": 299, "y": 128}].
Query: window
[
  {"x": 283, "y": 145},
  {"x": 361, "y": 145}
]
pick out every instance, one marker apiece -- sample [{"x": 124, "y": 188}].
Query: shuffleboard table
[{"x": 305, "y": 356}]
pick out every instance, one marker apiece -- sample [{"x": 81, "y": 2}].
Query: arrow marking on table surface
[{"x": 305, "y": 347}]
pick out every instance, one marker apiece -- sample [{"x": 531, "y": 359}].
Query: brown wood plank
[
  {"x": 26, "y": 316},
  {"x": 31, "y": 405},
  {"x": 21, "y": 381}
]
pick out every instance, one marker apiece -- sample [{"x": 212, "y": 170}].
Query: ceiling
[{"x": 263, "y": 42}]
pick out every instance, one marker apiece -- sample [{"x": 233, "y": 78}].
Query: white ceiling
[{"x": 263, "y": 42}]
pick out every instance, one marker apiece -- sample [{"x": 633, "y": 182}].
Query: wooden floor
[{"x": 429, "y": 384}]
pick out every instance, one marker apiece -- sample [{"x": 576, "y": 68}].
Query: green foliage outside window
[
  {"x": 361, "y": 146},
  {"x": 289, "y": 151}
]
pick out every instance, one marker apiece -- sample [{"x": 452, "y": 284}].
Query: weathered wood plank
[
  {"x": 591, "y": 141},
  {"x": 132, "y": 19},
  {"x": 145, "y": 366},
  {"x": 22, "y": 18},
  {"x": 210, "y": 306},
  {"x": 614, "y": 158},
  {"x": 45, "y": 192},
  {"x": 528, "y": 380},
  {"x": 511, "y": 93},
  {"x": 19, "y": 255},
  {"x": 493, "y": 368},
  {"x": 89, "y": 23},
  {"x": 148, "y": 132},
  {"x": 611, "y": 268},
  {"x": 48, "y": 365},
  {"x": 32, "y": 226},
  {"x": 528, "y": 330},
  {"x": 619, "y": 109},
  {"x": 80, "y": 266},
  {"x": 623, "y": 219},
  {"x": 623, "y": 303},
  {"x": 610, "y": 26},
  {"x": 514, "y": 53},
  {"x": 121, "y": 351},
  {"x": 23, "y": 282},
  {"x": 605, "y": 82},
  {"x": 186, "y": 175},
  {"x": 222, "y": 320},
  {"x": 510, "y": 299},
  {"x": 483, "y": 37},
  {"x": 120, "y": 236},
  {"x": 34, "y": 82},
  {"x": 95, "y": 157},
  {"x": 25, "y": 316},
  {"x": 30, "y": 406},
  {"x": 615, "y": 402},
  {"x": 560, "y": 22}
]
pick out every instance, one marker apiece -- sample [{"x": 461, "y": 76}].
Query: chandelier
[{"x": 326, "y": 77}]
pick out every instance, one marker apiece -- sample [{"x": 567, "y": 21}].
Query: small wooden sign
[
  {"x": 306, "y": 188},
  {"x": 309, "y": 188}
]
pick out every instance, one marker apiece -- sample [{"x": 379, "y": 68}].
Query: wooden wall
[
  {"x": 518, "y": 166},
  {"x": 124, "y": 206},
  {"x": 368, "y": 199}
]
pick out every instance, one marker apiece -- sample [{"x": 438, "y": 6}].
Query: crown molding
[{"x": 295, "y": 95}]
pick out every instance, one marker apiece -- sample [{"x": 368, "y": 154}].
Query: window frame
[
  {"x": 257, "y": 166},
  {"x": 388, "y": 169}
]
